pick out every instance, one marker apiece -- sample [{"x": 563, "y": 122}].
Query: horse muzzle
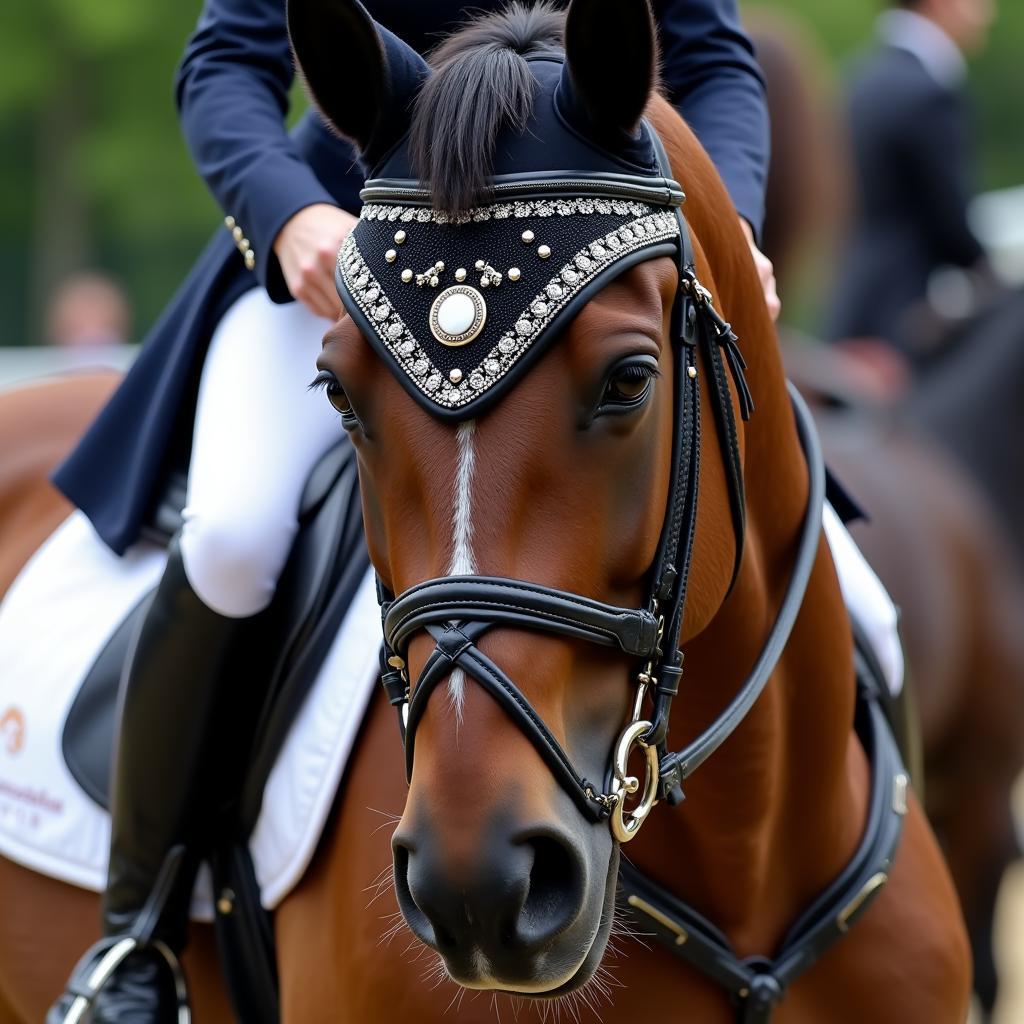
[{"x": 519, "y": 915}]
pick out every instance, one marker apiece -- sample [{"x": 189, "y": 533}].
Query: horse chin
[{"x": 571, "y": 978}]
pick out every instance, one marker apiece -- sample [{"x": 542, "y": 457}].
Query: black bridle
[{"x": 458, "y": 610}]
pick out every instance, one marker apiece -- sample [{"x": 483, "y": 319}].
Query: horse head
[{"x": 507, "y": 373}]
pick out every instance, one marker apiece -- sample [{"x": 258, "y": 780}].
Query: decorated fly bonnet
[{"x": 461, "y": 305}]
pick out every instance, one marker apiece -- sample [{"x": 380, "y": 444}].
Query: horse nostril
[
  {"x": 419, "y": 923},
  {"x": 555, "y": 896}
]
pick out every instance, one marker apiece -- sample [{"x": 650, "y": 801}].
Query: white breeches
[
  {"x": 867, "y": 599},
  {"x": 258, "y": 435}
]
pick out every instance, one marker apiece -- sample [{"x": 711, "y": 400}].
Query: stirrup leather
[{"x": 100, "y": 963}]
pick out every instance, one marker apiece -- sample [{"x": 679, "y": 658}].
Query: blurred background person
[
  {"x": 88, "y": 311},
  {"x": 913, "y": 161}
]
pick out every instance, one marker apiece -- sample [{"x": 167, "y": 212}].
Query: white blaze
[{"x": 462, "y": 562}]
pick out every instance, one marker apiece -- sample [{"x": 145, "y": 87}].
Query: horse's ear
[
  {"x": 610, "y": 69},
  {"x": 361, "y": 76}
]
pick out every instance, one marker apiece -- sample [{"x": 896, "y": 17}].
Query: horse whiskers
[
  {"x": 589, "y": 998},
  {"x": 386, "y": 814},
  {"x": 381, "y": 878},
  {"x": 436, "y": 973},
  {"x": 389, "y": 819},
  {"x": 622, "y": 928},
  {"x": 397, "y": 925},
  {"x": 383, "y": 886},
  {"x": 460, "y": 994}
]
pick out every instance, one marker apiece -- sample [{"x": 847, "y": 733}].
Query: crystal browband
[
  {"x": 503, "y": 211},
  {"x": 571, "y": 243}
]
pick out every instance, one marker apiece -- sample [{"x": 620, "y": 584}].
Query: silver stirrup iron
[{"x": 106, "y": 967}]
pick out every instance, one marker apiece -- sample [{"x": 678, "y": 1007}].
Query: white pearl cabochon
[{"x": 456, "y": 314}]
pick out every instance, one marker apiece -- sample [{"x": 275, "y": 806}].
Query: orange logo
[{"x": 12, "y": 730}]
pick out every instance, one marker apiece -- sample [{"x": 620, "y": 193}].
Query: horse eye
[
  {"x": 337, "y": 397},
  {"x": 326, "y": 381},
  {"x": 629, "y": 385}
]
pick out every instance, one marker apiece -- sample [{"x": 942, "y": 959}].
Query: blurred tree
[{"x": 93, "y": 170}]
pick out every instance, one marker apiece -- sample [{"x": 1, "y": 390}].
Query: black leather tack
[
  {"x": 452, "y": 643},
  {"x": 394, "y": 685},
  {"x": 690, "y": 323},
  {"x": 668, "y": 680},
  {"x": 668, "y": 581}
]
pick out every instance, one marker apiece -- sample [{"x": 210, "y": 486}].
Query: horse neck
[{"x": 773, "y": 815}]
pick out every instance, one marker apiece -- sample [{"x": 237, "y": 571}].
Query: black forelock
[{"x": 481, "y": 84}]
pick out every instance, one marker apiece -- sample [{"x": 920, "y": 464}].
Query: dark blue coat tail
[{"x": 232, "y": 93}]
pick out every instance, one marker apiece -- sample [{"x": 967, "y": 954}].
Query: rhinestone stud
[
  {"x": 400, "y": 237},
  {"x": 460, "y": 274},
  {"x": 455, "y": 376},
  {"x": 480, "y": 264},
  {"x": 528, "y": 237},
  {"x": 514, "y": 273},
  {"x": 407, "y": 275},
  {"x": 543, "y": 251},
  {"x": 391, "y": 255}
]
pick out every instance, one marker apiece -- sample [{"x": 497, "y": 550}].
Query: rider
[{"x": 257, "y": 432}]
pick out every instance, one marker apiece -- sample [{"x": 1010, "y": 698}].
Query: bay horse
[{"x": 506, "y": 886}]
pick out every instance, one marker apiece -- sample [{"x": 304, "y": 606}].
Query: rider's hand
[
  {"x": 307, "y": 247},
  {"x": 765, "y": 271}
]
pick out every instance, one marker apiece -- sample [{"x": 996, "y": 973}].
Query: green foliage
[{"x": 93, "y": 170}]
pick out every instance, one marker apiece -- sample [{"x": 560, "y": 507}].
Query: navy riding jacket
[{"x": 232, "y": 92}]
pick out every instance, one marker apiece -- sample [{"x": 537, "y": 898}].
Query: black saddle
[{"x": 284, "y": 649}]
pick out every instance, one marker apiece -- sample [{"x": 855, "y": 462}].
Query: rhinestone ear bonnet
[
  {"x": 456, "y": 307},
  {"x": 460, "y": 306}
]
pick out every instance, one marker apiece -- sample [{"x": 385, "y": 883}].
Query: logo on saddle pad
[{"x": 12, "y": 730}]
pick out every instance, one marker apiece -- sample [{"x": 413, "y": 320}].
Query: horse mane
[{"x": 481, "y": 83}]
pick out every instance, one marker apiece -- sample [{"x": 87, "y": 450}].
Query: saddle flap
[
  {"x": 89, "y": 733},
  {"x": 330, "y": 537}
]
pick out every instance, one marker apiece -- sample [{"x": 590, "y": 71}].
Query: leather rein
[{"x": 458, "y": 610}]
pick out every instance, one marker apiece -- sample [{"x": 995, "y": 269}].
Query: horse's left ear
[
  {"x": 611, "y": 53},
  {"x": 361, "y": 76}
]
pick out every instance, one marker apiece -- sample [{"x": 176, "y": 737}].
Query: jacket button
[
  {"x": 229, "y": 222},
  {"x": 250, "y": 260}
]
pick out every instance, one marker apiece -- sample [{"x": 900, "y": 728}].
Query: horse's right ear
[{"x": 361, "y": 76}]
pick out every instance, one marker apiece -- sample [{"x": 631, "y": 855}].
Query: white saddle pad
[{"x": 55, "y": 620}]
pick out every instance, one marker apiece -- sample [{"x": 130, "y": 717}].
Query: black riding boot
[{"x": 159, "y": 800}]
